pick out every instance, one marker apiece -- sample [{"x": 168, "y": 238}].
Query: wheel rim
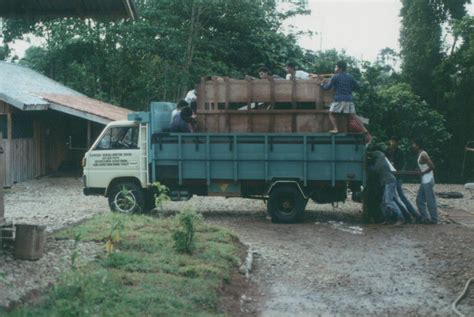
[
  {"x": 125, "y": 201},
  {"x": 286, "y": 204}
]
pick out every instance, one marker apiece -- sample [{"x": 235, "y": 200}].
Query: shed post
[
  {"x": 2, "y": 182},
  {"x": 89, "y": 134}
]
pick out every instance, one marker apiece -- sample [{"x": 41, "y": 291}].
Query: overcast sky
[{"x": 360, "y": 27}]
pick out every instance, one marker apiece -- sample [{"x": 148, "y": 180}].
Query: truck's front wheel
[
  {"x": 126, "y": 197},
  {"x": 286, "y": 204}
]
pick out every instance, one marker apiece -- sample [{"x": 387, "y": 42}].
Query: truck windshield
[{"x": 119, "y": 138}]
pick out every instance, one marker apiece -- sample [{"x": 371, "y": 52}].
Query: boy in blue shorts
[{"x": 344, "y": 84}]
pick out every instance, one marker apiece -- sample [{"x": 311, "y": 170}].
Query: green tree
[
  {"x": 420, "y": 41},
  {"x": 165, "y": 52}
]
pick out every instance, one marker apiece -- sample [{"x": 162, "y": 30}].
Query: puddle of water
[{"x": 343, "y": 227}]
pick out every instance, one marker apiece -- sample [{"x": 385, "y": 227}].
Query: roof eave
[
  {"x": 22, "y": 106},
  {"x": 80, "y": 114}
]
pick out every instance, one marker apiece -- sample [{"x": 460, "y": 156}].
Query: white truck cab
[{"x": 116, "y": 161}]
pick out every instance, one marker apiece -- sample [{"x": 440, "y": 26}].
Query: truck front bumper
[{"x": 88, "y": 191}]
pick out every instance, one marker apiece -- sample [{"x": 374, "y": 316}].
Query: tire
[
  {"x": 286, "y": 204},
  {"x": 126, "y": 197},
  {"x": 149, "y": 201}
]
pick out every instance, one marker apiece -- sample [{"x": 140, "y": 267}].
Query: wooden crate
[
  {"x": 228, "y": 93},
  {"x": 264, "y": 121}
]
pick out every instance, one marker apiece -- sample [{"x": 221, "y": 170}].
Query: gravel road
[
  {"x": 330, "y": 264},
  {"x": 333, "y": 265},
  {"x": 56, "y": 202}
]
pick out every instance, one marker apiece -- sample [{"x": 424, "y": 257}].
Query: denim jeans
[
  {"x": 408, "y": 205},
  {"x": 426, "y": 198},
  {"x": 391, "y": 202}
]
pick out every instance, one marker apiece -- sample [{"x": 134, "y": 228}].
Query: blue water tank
[{"x": 161, "y": 116}]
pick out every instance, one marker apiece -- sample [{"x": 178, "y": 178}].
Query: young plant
[
  {"x": 75, "y": 252},
  {"x": 161, "y": 194},
  {"x": 185, "y": 230},
  {"x": 114, "y": 236}
]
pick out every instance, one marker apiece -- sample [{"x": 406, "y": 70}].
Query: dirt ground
[
  {"x": 327, "y": 267},
  {"x": 331, "y": 264}
]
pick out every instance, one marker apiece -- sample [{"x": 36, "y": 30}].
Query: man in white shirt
[
  {"x": 426, "y": 198},
  {"x": 292, "y": 73},
  {"x": 190, "y": 96}
]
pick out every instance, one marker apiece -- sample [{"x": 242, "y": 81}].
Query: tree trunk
[{"x": 194, "y": 30}]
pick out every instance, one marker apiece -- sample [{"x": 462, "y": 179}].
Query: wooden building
[{"x": 46, "y": 126}]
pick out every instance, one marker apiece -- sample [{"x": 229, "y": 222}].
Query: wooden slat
[
  {"x": 201, "y": 93},
  {"x": 216, "y": 93},
  {"x": 249, "y": 104},
  {"x": 227, "y": 95},
  {"x": 306, "y": 91},
  {"x": 278, "y": 121},
  {"x": 8, "y": 156}
]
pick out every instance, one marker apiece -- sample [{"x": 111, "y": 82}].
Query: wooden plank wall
[
  {"x": 24, "y": 156},
  {"x": 7, "y": 181},
  {"x": 5, "y": 110}
]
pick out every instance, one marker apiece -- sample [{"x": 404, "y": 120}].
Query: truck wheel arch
[
  {"x": 118, "y": 180},
  {"x": 292, "y": 183}
]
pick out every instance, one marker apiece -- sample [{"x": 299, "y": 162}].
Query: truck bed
[{"x": 230, "y": 157}]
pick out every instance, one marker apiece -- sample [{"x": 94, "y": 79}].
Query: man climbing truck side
[{"x": 285, "y": 169}]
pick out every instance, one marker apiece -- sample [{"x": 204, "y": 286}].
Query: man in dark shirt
[
  {"x": 182, "y": 122},
  {"x": 394, "y": 154},
  {"x": 344, "y": 84},
  {"x": 390, "y": 201},
  {"x": 396, "y": 157}
]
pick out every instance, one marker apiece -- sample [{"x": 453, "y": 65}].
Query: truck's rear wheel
[
  {"x": 286, "y": 204},
  {"x": 126, "y": 197}
]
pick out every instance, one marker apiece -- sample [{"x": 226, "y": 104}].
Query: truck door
[{"x": 116, "y": 154}]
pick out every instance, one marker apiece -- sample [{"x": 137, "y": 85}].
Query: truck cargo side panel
[{"x": 260, "y": 157}]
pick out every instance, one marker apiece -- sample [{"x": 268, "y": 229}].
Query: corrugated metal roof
[
  {"x": 21, "y": 87},
  {"x": 87, "y": 106},
  {"x": 68, "y": 8},
  {"x": 27, "y": 90}
]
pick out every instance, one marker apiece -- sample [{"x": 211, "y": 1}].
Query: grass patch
[{"x": 144, "y": 275}]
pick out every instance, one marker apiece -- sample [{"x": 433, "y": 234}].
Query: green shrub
[{"x": 185, "y": 230}]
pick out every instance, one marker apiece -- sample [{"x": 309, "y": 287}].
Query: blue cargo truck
[{"x": 283, "y": 169}]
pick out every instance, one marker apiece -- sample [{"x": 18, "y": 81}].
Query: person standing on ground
[
  {"x": 396, "y": 157},
  {"x": 344, "y": 84},
  {"x": 426, "y": 198},
  {"x": 390, "y": 200}
]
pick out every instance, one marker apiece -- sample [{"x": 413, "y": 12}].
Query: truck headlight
[{"x": 84, "y": 162}]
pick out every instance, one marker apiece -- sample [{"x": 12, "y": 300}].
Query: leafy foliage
[
  {"x": 185, "y": 229},
  {"x": 165, "y": 52}
]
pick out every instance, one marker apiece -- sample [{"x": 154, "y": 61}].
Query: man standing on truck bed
[
  {"x": 182, "y": 121},
  {"x": 344, "y": 84}
]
